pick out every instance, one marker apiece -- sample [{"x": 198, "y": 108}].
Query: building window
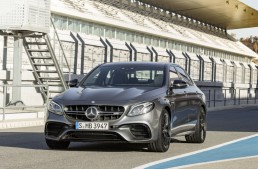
[
  {"x": 96, "y": 30},
  {"x": 120, "y": 35},
  {"x": 74, "y": 25},
  {"x": 190, "y": 48},
  {"x": 129, "y": 37},
  {"x": 155, "y": 42},
  {"x": 110, "y": 33},
  {"x": 60, "y": 22},
  {"x": 147, "y": 40},
  {"x": 183, "y": 47},
  {"x": 70, "y": 24},
  {"x": 163, "y": 43},
  {"x": 86, "y": 28},
  {"x": 139, "y": 38}
]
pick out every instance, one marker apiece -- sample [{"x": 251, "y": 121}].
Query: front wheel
[
  {"x": 200, "y": 131},
  {"x": 57, "y": 144},
  {"x": 163, "y": 142}
]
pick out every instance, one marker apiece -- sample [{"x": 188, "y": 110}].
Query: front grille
[
  {"x": 140, "y": 131},
  {"x": 93, "y": 136},
  {"x": 106, "y": 113}
]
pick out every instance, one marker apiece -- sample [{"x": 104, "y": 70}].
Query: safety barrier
[
  {"x": 22, "y": 99},
  {"x": 230, "y": 96}
]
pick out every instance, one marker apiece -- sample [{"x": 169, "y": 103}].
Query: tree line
[{"x": 251, "y": 42}]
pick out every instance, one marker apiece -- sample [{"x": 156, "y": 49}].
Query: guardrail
[
  {"x": 62, "y": 50},
  {"x": 214, "y": 97},
  {"x": 230, "y": 96},
  {"x": 19, "y": 104}
]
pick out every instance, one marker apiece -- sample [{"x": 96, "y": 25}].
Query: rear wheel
[
  {"x": 57, "y": 144},
  {"x": 200, "y": 132},
  {"x": 163, "y": 142}
]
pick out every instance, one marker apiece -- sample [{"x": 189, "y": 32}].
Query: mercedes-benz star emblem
[{"x": 91, "y": 113}]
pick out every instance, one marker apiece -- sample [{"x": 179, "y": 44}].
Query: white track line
[{"x": 195, "y": 152}]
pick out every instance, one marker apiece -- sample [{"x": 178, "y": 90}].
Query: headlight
[
  {"x": 55, "y": 108},
  {"x": 141, "y": 109}
]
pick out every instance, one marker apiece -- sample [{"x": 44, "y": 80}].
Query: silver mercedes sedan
[{"x": 133, "y": 102}]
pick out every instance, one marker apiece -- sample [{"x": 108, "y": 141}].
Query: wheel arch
[
  {"x": 204, "y": 108},
  {"x": 169, "y": 110}
]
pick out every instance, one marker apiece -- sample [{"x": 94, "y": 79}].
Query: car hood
[{"x": 97, "y": 95}]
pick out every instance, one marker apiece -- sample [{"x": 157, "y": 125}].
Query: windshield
[{"x": 126, "y": 75}]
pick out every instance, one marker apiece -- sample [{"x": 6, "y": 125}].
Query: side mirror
[
  {"x": 73, "y": 82},
  {"x": 179, "y": 84}
]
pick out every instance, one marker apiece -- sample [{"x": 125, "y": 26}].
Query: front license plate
[{"x": 92, "y": 125}]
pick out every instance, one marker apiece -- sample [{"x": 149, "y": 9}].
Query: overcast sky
[{"x": 249, "y": 31}]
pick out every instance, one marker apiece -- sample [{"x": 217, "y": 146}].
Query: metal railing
[
  {"x": 62, "y": 49},
  {"x": 230, "y": 96},
  {"x": 18, "y": 104}
]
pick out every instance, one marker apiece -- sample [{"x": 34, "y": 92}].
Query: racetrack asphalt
[{"x": 25, "y": 147}]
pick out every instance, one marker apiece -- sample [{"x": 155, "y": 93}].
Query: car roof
[{"x": 140, "y": 63}]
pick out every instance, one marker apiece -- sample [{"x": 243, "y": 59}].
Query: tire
[
  {"x": 163, "y": 142},
  {"x": 57, "y": 144},
  {"x": 200, "y": 131}
]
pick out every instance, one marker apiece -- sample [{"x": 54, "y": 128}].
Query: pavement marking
[{"x": 240, "y": 148}]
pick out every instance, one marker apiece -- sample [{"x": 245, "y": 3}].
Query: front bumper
[{"x": 138, "y": 129}]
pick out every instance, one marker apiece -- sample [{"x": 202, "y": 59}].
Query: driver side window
[
  {"x": 173, "y": 74},
  {"x": 184, "y": 76}
]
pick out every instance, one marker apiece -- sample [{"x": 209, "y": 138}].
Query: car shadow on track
[
  {"x": 107, "y": 147},
  {"x": 113, "y": 147},
  {"x": 28, "y": 140},
  {"x": 32, "y": 140}
]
